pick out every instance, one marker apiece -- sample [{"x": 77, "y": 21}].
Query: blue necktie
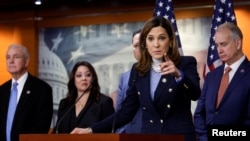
[{"x": 11, "y": 110}]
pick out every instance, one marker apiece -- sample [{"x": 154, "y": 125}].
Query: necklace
[{"x": 80, "y": 105}]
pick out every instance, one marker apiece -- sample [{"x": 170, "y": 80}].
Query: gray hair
[
  {"x": 23, "y": 48},
  {"x": 234, "y": 29}
]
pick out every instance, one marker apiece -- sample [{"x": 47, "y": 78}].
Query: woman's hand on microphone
[{"x": 81, "y": 131}]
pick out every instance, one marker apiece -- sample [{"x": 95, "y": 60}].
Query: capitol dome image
[{"x": 52, "y": 70}]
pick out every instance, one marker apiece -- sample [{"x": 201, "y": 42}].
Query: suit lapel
[
  {"x": 164, "y": 83},
  {"x": 83, "y": 111},
  {"x": 216, "y": 79},
  {"x": 240, "y": 73},
  {"x": 143, "y": 85},
  {"x": 6, "y": 95},
  {"x": 26, "y": 92}
]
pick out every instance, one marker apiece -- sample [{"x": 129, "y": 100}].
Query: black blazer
[
  {"x": 34, "y": 110},
  {"x": 91, "y": 113},
  {"x": 169, "y": 112}
]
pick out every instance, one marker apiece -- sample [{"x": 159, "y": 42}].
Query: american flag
[
  {"x": 165, "y": 8},
  {"x": 223, "y": 12}
]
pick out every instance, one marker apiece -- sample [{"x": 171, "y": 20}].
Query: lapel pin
[{"x": 28, "y": 92}]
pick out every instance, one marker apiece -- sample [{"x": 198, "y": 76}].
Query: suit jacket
[
  {"x": 234, "y": 108},
  {"x": 135, "y": 125},
  {"x": 34, "y": 110},
  {"x": 169, "y": 112},
  {"x": 91, "y": 113}
]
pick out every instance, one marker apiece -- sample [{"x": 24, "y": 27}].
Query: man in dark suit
[
  {"x": 33, "y": 113},
  {"x": 233, "y": 110}
]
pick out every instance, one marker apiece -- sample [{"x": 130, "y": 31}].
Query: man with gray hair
[
  {"x": 225, "y": 98},
  {"x": 26, "y": 103}
]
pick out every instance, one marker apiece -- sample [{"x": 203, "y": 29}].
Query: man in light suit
[
  {"x": 135, "y": 125},
  {"x": 34, "y": 108},
  {"x": 234, "y": 108}
]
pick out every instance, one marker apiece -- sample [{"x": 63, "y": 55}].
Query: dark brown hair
[
  {"x": 95, "y": 89},
  {"x": 144, "y": 64}
]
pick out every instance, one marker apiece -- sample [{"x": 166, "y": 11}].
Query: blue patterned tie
[{"x": 11, "y": 110}]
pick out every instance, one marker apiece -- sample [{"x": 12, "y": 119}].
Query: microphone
[
  {"x": 67, "y": 112},
  {"x": 113, "y": 124}
]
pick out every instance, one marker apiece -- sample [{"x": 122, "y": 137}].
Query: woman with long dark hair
[{"x": 84, "y": 104}]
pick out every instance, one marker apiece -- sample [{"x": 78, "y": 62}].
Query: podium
[{"x": 100, "y": 137}]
